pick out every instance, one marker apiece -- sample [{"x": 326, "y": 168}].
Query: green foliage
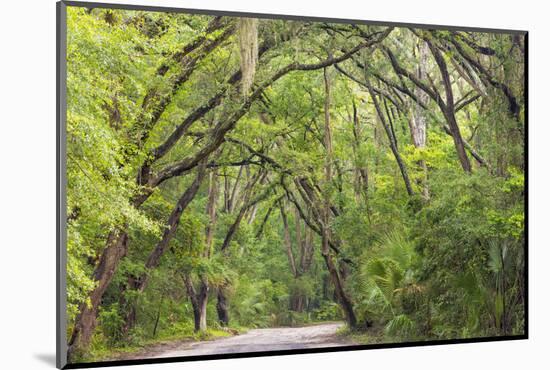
[
  {"x": 328, "y": 311},
  {"x": 188, "y": 245},
  {"x": 445, "y": 262},
  {"x": 256, "y": 304},
  {"x": 464, "y": 246},
  {"x": 111, "y": 321},
  {"x": 401, "y": 326},
  {"x": 386, "y": 284}
]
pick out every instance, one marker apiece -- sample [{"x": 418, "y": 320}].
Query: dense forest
[{"x": 232, "y": 173}]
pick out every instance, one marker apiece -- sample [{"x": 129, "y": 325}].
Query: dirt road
[{"x": 275, "y": 339}]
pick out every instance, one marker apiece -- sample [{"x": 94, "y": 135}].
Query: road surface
[{"x": 275, "y": 339}]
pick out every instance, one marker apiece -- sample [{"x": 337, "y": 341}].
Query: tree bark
[
  {"x": 264, "y": 221},
  {"x": 307, "y": 253},
  {"x": 117, "y": 247},
  {"x": 157, "y": 318},
  {"x": 314, "y": 219},
  {"x": 288, "y": 243},
  {"x": 513, "y": 105},
  {"x": 246, "y": 205},
  {"x": 300, "y": 265},
  {"x": 173, "y": 221},
  {"x": 231, "y": 202},
  {"x": 198, "y": 300},
  {"x": 211, "y": 211},
  {"x": 361, "y": 177},
  {"x": 221, "y": 307},
  {"x": 325, "y": 248},
  {"x": 446, "y": 106},
  {"x": 449, "y": 109},
  {"x": 304, "y": 242},
  {"x": 222, "y": 304},
  {"x": 393, "y": 144},
  {"x": 140, "y": 282},
  {"x": 418, "y": 124}
]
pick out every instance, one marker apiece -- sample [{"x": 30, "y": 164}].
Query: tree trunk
[
  {"x": 308, "y": 250},
  {"x": 447, "y": 107},
  {"x": 288, "y": 244},
  {"x": 139, "y": 283},
  {"x": 296, "y": 303},
  {"x": 193, "y": 298},
  {"x": 158, "y": 318},
  {"x": 198, "y": 301},
  {"x": 242, "y": 211},
  {"x": 130, "y": 307},
  {"x": 211, "y": 211},
  {"x": 226, "y": 192},
  {"x": 232, "y": 201},
  {"x": 304, "y": 243},
  {"x": 361, "y": 178},
  {"x": 314, "y": 220},
  {"x": 458, "y": 141},
  {"x": 252, "y": 214},
  {"x": 221, "y": 307},
  {"x": 296, "y": 298},
  {"x": 449, "y": 110},
  {"x": 117, "y": 246},
  {"x": 173, "y": 221},
  {"x": 264, "y": 221},
  {"x": 393, "y": 143},
  {"x": 341, "y": 295},
  {"x": 203, "y": 302},
  {"x": 325, "y": 248},
  {"x": 473, "y": 153},
  {"x": 418, "y": 124},
  {"x": 233, "y": 228}
]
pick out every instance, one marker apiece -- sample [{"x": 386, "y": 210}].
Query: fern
[{"x": 400, "y": 325}]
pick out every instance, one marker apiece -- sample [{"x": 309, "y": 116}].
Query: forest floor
[{"x": 255, "y": 340}]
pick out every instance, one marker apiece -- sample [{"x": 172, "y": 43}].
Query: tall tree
[{"x": 341, "y": 294}]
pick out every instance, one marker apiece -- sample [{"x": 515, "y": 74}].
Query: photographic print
[{"x": 241, "y": 185}]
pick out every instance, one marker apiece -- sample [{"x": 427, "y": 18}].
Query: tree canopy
[{"x": 227, "y": 173}]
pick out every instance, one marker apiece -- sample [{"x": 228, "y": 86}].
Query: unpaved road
[{"x": 275, "y": 339}]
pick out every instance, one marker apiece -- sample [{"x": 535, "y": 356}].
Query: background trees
[{"x": 232, "y": 172}]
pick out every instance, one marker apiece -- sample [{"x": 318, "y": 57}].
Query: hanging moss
[{"x": 248, "y": 44}]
